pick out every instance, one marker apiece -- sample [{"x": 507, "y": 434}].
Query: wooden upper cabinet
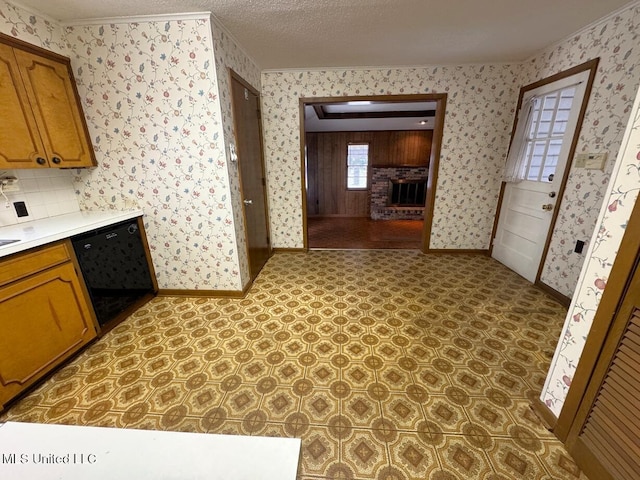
[
  {"x": 20, "y": 144},
  {"x": 41, "y": 119}
]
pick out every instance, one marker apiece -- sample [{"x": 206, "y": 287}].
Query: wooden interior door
[
  {"x": 604, "y": 438},
  {"x": 246, "y": 116}
]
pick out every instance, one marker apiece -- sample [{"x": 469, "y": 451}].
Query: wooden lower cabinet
[{"x": 44, "y": 319}]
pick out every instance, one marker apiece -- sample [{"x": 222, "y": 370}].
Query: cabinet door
[
  {"x": 44, "y": 319},
  {"x": 53, "y": 98},
  {"x": 20, "y": 144}
]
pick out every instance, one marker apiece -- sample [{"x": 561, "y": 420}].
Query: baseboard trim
[
  {"x": 545, "y": 415},
  {"x": 563, "y": 299},
  {"x": 170, "y": 292},
  {"x": 458, "y": 250},
  {"x": 290, "y": 250},
  {"x": 337, "y": 215}
]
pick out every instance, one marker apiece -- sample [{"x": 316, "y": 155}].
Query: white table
[{"x": 31, "y": 451}]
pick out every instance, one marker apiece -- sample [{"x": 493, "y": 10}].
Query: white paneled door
[{"x": 551, "y": 116}]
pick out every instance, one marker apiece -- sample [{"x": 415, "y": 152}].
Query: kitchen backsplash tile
[{"x": 46, "y": 193}]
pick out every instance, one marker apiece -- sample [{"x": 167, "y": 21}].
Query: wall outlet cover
[
  {"x": 9, "y": 184},
  {"x": 21, "y": 209}
]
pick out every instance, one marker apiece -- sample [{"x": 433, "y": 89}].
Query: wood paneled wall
[{"x": 327, "y": 192}]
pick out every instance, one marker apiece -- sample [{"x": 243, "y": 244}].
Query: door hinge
[
  {"x": 268, "y": 241},
  {"x": 264, "y": 182}
]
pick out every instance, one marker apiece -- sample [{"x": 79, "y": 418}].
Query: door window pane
[{"x": 550, "y": 116}]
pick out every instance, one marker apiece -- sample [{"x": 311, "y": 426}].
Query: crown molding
[
  {"x": 35, "y": 12},
  {"x": 173, "y": 17}
]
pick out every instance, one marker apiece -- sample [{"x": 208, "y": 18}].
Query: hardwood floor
[{"x": 363, "y": 233}]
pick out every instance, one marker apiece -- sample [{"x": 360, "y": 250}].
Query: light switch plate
[{"x": 590, "y": 161}]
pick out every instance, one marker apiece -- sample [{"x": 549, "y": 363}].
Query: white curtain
[{"x": 515, "y": 170}]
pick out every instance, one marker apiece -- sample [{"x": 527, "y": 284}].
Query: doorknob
[
  {"x": 552, "y": 194},
  {"x": 247, "y": 202},
  {"x": 548, "y": 207}
]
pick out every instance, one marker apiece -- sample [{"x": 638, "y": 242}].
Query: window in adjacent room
[{"x": 357, "y": 166}]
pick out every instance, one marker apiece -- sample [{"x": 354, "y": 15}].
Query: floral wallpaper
[
  {"x": 619, "y": 200},
  {"x": 150, "y": 95},
  {"x": 616, "y": 41},
  {"x": 151, "y": 100},
  {"x": 479, "y": 115},
  {"x": 32, "y": 28}
]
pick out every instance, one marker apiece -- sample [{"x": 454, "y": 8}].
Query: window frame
[
  {"x": 516, "y": 168},
  {"x": 367, "y": 167},
  {"x": 534, "y": 137}
]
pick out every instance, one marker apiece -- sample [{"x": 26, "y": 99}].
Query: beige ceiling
[{"x": 339, "y": 33}]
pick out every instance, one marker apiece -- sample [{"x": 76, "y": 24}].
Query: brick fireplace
[{"x": 381, "y": 178}]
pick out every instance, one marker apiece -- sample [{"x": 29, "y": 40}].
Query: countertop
[
  {"x": 51, "y": 452},
  {"x": 40, "y": 232}
]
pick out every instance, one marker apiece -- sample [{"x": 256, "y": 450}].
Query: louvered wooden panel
[{"x": 612, "y": 429}]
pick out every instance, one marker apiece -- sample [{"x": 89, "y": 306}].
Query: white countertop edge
[
  {"x": 104, "y": 453},
  {"x": 46, "y": 230}
]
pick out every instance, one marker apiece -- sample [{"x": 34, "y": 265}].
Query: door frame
[
  {"x": 235, "y": 76},
  {"x": 623, "y": 268},
  {"x": 434, "y": 157},
  {"x": 590, "y": 66}
]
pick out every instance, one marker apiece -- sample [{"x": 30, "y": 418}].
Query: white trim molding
[{"x": 170, "y": 17}]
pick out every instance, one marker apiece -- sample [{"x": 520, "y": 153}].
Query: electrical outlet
[{"x": 9, "y": 184}]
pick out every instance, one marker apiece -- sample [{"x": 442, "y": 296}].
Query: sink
[{"x": 4, "y": 242}]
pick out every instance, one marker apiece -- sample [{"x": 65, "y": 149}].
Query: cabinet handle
[
  {"x": 41, "y": 161},
  {"x": 56, "y": 160}
]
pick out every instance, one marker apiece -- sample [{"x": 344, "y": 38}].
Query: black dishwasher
[{"x": 114, "y": 266}]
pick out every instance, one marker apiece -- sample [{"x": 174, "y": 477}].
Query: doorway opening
[{"x": 362, "y": 158}]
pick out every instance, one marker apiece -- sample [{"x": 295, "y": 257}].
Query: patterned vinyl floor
[{"x": 388, "y": 364}]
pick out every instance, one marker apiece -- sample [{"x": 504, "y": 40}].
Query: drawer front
[{"x": 21, "y": 265}]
